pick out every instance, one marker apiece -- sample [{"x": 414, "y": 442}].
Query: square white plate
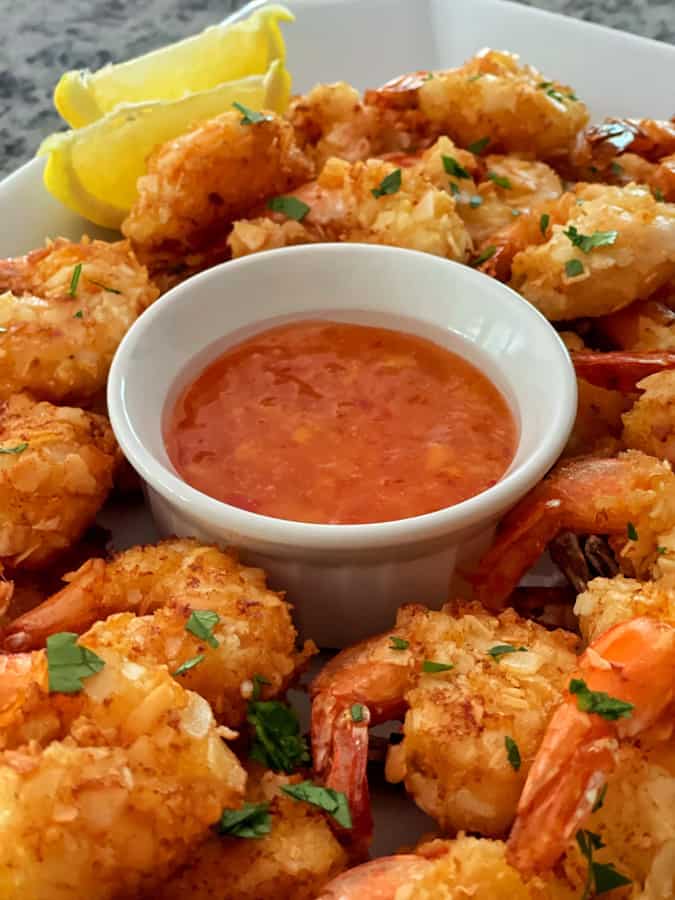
[{"x": 367, "y": 42}]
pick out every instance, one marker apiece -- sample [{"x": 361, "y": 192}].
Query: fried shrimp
[
  {"x": 355, "y": 202},
  {"x": 294, "y": 858},
  {"x": 156, "y": 590},
  {"x": 106, "y": 790},
  {"x": 56, "y": 469},
  {"x": 493, "y": 96},
  {"x": 473, "y": 685},
  {"x": 650, "y": 424},
  {"x": 198, "y": 184},
  {"x": 63, "y": 311},
  {"x": 645, "y": 325}
]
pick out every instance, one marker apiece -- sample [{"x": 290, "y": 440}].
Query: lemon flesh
[
  {"x": 200, "y": 63},
  {"x": 94, "y": 170}
]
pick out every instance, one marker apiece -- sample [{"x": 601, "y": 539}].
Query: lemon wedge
[
  {"x": 94, "y": 170},
  {"x": 200, "y": 63}
]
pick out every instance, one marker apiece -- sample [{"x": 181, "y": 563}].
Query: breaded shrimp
[
  {"x": 343, "y": 207},
  {"x": 63, "y": 311},
  {"x": 294, "y": 859},
  {"x": 629, "y": 253},
  {"x": 608, "y": 601},
  {"x": 493, "y": 96},
  {"x": 155, "y": 589},
  {"x": 644, "y": 325},
  {"x": 198, "y": 184},
  {"x": 463, "y": 696},
  {"x": 105, "y": 791},
  {"x": 56, "y": 469},
  {"x": 650, "y": 424}
]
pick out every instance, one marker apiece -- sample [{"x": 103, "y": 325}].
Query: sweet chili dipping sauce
[{"x": 331, "y": 422}]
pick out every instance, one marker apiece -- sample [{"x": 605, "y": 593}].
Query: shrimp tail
[{"x": 620, "y": 370}]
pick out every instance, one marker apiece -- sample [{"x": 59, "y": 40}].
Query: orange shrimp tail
[
  {"x": 619, "y": 370},
  {"x": 376, "y": 880},
  {"x": 348, "y": 774},
  {"x": 74, "y": 608}
]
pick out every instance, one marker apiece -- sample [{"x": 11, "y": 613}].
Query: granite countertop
[{"x": 41, "y": 39}]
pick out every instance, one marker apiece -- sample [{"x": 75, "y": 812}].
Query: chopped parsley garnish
[
  {"x": 277, "y": 742},
  {"x": 390, "y": 184},
  {"x": 68, "y": 663},
  {"x": 553, "y": 93},
  {"x": 258, "y": 681},
  {"x": 430, "y": 666},
  {"x": 515, "y": 212},
  {"x": 616, "y": 168},
  {"x": 543, "y": 222},
  {"x": 19, "y": 448},
  {"x": 512, "y": 752},
  {"x": 452, "y": 167},
  {"x": 77, "y": 271},
  {"x": 79, "y": 314},
  {"x": 397, "y": 643},
  {"x": 658, "y": 195},
  {"x": 428, "y": 76},
  {"x": 358, "y": 712},
  {"x": 601, "y": 877},
  {"x": 250, "y": 116},
  {"x": 104, "y": 286},
  {"x": 201, "y": 623},
  {"x": 598, "y": 702},
  {"x": 189, "y": 664},
  {"x": 475, "y": 77},
  {"x": 333, "y": 802},
  {"x": 253, "y": 820},
  {"x": 478, "y": 146},
  {"x": 500, "y": 180},
  {"x": 454, "y": 188},
  {"x": 574, "y": 267},
  {"x": 475, "y": 201},
  {"x": 500, "y": 650},
  {"x": 600, "y": 799},
  {"x": 631, "y": 531},
  {"x": 484, "y": 255},
  {"x": 587, "y": 242},
  {"x": 290, "y": 206},
  {"x": 661, "y": 550}
]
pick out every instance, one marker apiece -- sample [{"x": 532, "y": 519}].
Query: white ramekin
[{"x": 345, "y": 581}]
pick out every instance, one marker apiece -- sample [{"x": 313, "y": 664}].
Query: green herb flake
[
  {"x": 454, "y": 188},
  {"x": 397, "y": 643},
  {"x": 104, "y": 287},
  {"x": 189, "y": 664},
  {"x": 290, "y": 206},
  {"x": 500, "y": 650},
  {"x": 475, "y": 201},
  {"x": 358, "y": 712},
  {"x": 478, "y": 146},
  {"x": 484, "y": 255},
  {"x": 452, "y": 167},
  {"x": 428, "y": 76},
  {"x": 512, "y": 752},
  {"x": 333, "y": 802},
  {"x": 79, "y": 314},
  {"x": 601, "y": 877},
  {"x": 19, "y": 448},
  {"x": 390, "y": 184},
  {"x": 600, "y": 799},
  {"x": 543, "y": 222},
  {"x": 661, "y": 550},
  {"x": 250, "y": 116},
  {"x": 475, "y": 77},
  {"x": 588, "y": 242},
  {"x": 74, "y": 281},
  {"x": 253, "y": 820},
  {"x": 553, "y": 93},
  {"x": 598, "y": 702},
  {"x": 574, "y": 267},
  {"x": 616, "y": 168},
  {"x": 201, "y": 623},
  {"x": 515, "y": 212},
  {"x": 572, "y": 96},
  {"x": 431, "y": 667},
  {"x": 658, "y": 195},
  {"x": 68, "y": 663},
  {"x": 631, "y": 531},
  {"x": 277, "y": 742},
  {"x": 258, "y": 681},
  {"x": 501, "y": 180}
]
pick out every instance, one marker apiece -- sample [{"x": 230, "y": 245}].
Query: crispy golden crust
[
  {"x": 200, "y": 182},
  {"x": 650, "y": 425},
  {"x": 51, "y": 489},
  {"x": 608, "y": 601},
  {"x": 59, "y": 346}
]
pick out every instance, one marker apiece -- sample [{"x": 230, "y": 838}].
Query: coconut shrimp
[
  {"x": 491, "y": 96},
  {"x": 198, "y": 183},
  {"x": 645, "y": 325},
  {"x": 449, "y": 870},
  {"x": 630, "y": 497},
  {"x": 63, "y": 311},
  {"x": 106, "y": 790},
  {"x": 153, "y": 591},
  {"x": 56, "y": 469},
  {"x": 295, "y": 858},
  {"x": 355, "y": 202},
  {"x": 463, "y": 697}
]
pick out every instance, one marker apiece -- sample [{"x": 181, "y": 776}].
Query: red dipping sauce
[{"x": 337, "y": 423}]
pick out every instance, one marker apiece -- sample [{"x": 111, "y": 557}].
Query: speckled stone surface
[{"x": 42, "y": 38}]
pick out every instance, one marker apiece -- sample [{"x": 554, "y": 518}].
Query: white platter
[{"x": 366, "y": 42}]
